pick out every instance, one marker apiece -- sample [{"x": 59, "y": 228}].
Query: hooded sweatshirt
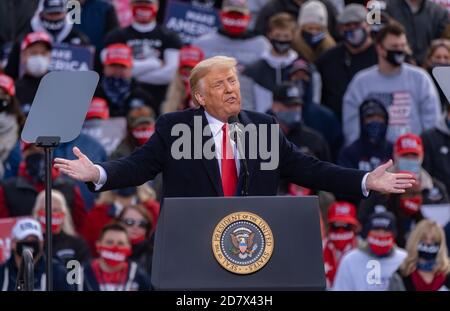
[
  {"x": 362, "y": 154},
  {"x": 437, "y": 152},
  {"x": 267, "y": 73},
  {"x": 409, "y": 96}
]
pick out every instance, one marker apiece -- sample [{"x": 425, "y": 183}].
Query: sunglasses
[
  {"x": 336, "y": 226},
  {"x": 131, "y": 222}
]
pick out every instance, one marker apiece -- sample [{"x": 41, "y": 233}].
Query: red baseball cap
[
  {"x": 34, "y": 37},
  {"x": 190, "y": 56},
  {"x": 98, "y": 109},
  {"x": 7, "y": 83},
  {"x": 118, "y": 53},
  {"x": 342, "y": 212},
  {"x": 408, "y": 143},
  {"x": 24, "y": 145}
]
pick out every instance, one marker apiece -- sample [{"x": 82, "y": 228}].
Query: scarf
[{"x": 421, "y": 285}]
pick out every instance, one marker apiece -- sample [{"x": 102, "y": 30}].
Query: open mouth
[{"x": 231, "y": 100}]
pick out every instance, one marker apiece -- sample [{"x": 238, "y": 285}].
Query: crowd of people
[{"x": 343, "y": 88}]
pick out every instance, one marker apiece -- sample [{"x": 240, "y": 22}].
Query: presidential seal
[{"x": 242, "y": 243}]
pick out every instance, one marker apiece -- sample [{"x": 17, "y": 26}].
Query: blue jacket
[
  {"x": 12, "y": 162},
  {"x": 201, "y": 177},
  {"x": 9, "y": 271},
  {"x": 90, "y": 147}
]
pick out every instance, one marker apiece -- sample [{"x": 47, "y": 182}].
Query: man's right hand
[{"x": 82, "y": 169}]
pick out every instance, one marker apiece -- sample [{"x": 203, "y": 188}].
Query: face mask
[
  {"x": 380, "y": 245},
  {"x": 356, "y": 37},
  {"x": 428, "y": 254},
  {"x": 341, "y": 238},
  {"x": 33, "y": 245},
  {"x": 4, "y": 103},
  {"x": 412, "y": 205},
  {"x": 426, "y": 266},
  {"x": 37, "y": 65},
  {"x": 144, "y": 13},
  {"x": 428, "y": 251},
  {"x": 395, "y": 58},
  {"x": 374, "y": 132},
  {"x": 313, "y": 40},
  {"x": 114, "y": 255},
  {"x": 409, "y": 165},
  {"x": 57, "y": 220},
  {"x": 35, "y": 167},
  {"x": 143, "y": 134},
  {"x": 289, "y": 118},
  {"x": 54, "y": 26},
  {"x": 234, "y": 23},
  {"x": 281, "y": 47},
  {"x": 116, "y": 89}
]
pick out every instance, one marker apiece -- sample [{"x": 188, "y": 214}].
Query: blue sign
[
  {"x": 71, "y": 57},
  {"x": 190, "y": 21}
]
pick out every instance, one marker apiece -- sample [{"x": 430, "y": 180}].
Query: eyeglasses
[{"x": 131, "y": 222}]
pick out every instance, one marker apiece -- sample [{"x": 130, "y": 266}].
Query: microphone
[{"x": 237, "y": 132}]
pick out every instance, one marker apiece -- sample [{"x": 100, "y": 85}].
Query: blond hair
[
  {"x": 423, "y": 227},
  {"x": 143, "y": 192},
  {"x": 67, "y": 226},
  {"x": 204, "y": 67}
]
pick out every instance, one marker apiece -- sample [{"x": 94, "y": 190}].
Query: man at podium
[{"x": 190, "y": 171}]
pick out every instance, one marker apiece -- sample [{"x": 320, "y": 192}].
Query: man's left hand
[{"x": 383, "y": 181}]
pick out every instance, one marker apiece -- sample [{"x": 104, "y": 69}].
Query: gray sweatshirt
[{"x": 410, "y": 98}]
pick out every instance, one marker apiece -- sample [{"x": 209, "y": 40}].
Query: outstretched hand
[
  {"x": 383, "y": 181},
  {"x": 81, "y": 169}
]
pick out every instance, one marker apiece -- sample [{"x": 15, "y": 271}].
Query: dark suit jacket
[{"x": 201, "y": 177}]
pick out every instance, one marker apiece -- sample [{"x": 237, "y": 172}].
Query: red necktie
[{"x": 229, "y": 172}]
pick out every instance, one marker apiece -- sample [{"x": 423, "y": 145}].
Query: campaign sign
[
  {"x": 190, "y": 21},
  {"x": 109, "y": 133},
  {"x": 69, "y": 57}
]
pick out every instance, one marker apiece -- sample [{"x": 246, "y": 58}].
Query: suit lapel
[
  {"x": 251, "y": 163},
  {"x": 211, "y": 166}
]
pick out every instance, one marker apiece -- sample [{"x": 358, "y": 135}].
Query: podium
[{"x": 239, "y": 243}]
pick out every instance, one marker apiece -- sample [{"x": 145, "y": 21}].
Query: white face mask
[{"x": 37, "y": 65}]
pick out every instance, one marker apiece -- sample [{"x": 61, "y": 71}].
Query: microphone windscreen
[{"x": 233, "y": 119}]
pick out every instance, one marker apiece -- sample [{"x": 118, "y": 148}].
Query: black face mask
[
  {"x": 54, "y": 26},
  {"x": 281, "y": 47},
  {"x": 35, "y": 167},
  {"x": 4, "y": 103},
  {"x": 395, "y": 58},
  {"x": 428, "y": 251},
  {"x": 374, "y": 132},
  {"x": 33, "y": 245}
]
